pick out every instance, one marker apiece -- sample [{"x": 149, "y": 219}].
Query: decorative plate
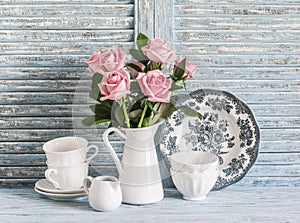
[{"x": 228, "y": 129}]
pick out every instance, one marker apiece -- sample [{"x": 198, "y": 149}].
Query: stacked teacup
[
  {"x": 194, "y": 173},
  {"x": 67, "y": 162}
]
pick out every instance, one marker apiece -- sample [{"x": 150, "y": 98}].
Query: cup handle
[
  {"x": 50, "y": 179},
  {"x": 87, "y": 184},
  {"x": 95, "y": 153}
]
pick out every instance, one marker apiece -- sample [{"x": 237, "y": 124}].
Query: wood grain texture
[{"x": 232, "y": 205}]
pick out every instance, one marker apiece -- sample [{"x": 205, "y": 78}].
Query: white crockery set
[
  {"x": 67, "y": 175},
  {"x": 194, "y": 173}
]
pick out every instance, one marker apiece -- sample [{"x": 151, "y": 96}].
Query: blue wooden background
[{"x": 250, "y": 48}]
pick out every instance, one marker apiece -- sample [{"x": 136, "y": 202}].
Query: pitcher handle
[{"x": 110, "y": 148}]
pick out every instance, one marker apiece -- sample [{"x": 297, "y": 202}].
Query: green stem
[
  {"x": 127, "y": 120},
  {"x": 143, "y": 116}
]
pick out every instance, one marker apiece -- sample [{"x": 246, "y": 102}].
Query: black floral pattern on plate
[{"x": 228, "y": 129}]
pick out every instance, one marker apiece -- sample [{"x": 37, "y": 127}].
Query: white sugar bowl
[
  {"x": 194, "y": 162},
  {"x": 194, "y": 187}
]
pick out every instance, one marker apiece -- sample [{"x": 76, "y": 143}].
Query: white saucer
[
  {"x": 62, "y": 197},
  {"x": 46, "y": 186}
]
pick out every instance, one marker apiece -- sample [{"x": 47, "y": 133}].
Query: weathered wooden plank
[
  {"x": 35, "y": 147},
  {"x": 268, "y": 182},
  {"x": 15, "y": 147},
  {"x": 145, "y": 15},
  {"x": 209, "y": 60},
  {"x": 268, "y": 205},
  {"x": 249, "y": 60},
  {"x": 204, "y": 72},
  {"x": 164, "y": 16},
  {"x": 71, "y": 36},
  {"x": 64, "y": 48},
  {"x": 241, "y": 36},
  {"x": 238, "y": 23},
  {"x": 236, "y": 2},
  {"x": 44, "y": 122},
  {"x": 274, "y": 170},
  {"x": 75, "y": 2},
  {"x": 236, "y": 10},
  {"x": 71, "y": 85},
  {"x": 60, "y": 23},
  {"x": 246, "y": 182},
  {"x": 44, "y": 86},
  {"x": 23, "y": 160},
  {"x": 18, "y": 98},
  {"x": 42, "y": 135},
  {"x": 66, "y": 10},
  {"x": 257, "y": 170},
  {"x": 276, "y": 110},
  {"x": 247, "y": 73},
  {"x": 39, "y": 171},
  {"x": 42, "y": 73},
  {"x": 46, "y": 60},
  {"x": 246, "y": 85},
  {"x": 238, "y": 48},
  {"x": 104, "y": 159}
]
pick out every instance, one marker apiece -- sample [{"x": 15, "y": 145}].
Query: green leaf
[
  {"x": 95, "y": 93},
  {"x": 150, "y": 105},
  {"x": 147, "y": 122},
  {"x": 96, "y": 79},
  {"x": 175, "y": 86},
  {"x": 190, "y": 112},
  {"x": 139, "y": 56},
  {"x": 93, "y": 119},
  {"x": 134, "y": 66},
  {"x": 101, "y": 110},
  {"x": 179, "y": 71},
  {"x": 141, "y": 40},
  {"x": 119, "y": 115},
  {"x": 135, "y": 114},
  {"x": 166, "y": 109}
]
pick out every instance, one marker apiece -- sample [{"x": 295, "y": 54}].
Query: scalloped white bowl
[
  {"x": 194, "y": 187},
  {"x": 194, "y": 162}
]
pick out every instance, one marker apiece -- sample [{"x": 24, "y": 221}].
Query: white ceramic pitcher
[{"x": 139, "y": 173}]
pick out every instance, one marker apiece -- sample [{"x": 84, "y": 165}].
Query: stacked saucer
[{"x": 44, "y": 187}]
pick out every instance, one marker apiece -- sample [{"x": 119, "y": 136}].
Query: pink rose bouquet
[{"x": 137, "y": 94}]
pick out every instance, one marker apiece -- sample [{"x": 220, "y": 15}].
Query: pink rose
[
  {"x": 155, "y": 85},
  {"x": 190, "y": 69},
  {"x": 104, "y": 62},
  {"x": 159, "y": 51},
  {"x": 133, "y": 71},
  {"x": 115, "y": 85}
]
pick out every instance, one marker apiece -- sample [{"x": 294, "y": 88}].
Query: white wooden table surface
[{"x": 233, "y": 204}]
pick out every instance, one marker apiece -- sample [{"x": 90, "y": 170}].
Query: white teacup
[
  {"x": 68, "y": 150},
  {"x": 67, "y": 177},
  {"x": 104, "y": 192}
]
